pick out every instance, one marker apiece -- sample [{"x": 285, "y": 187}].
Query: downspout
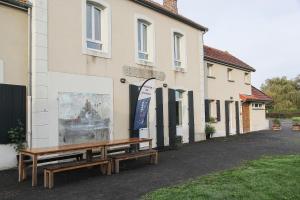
[{"x": 29, "y": 90}]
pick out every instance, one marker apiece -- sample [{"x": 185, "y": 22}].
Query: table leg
[
  {"x": 34, "y": 170},
  {"x": 89, "y": 155},
  {"x": 104, "y": 153},
  {"x": 21, "y": 167},
  {"x": 150, "y": 145}
]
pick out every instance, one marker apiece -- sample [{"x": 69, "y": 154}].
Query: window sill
[
  {"x": 247, "y": 84},
  {"x": 231, "y": 81},
  {"x": 180, "y": 69},
  {"x": 211, "y": 77},
  {"x": 95, "y": 53},
  {"x": 145, "y": 63}
]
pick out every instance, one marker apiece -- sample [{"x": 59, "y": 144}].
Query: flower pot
[
  {"x": 276, "y": 128},
  {"x": 296, "y": 127},
  {"x": 208, "y": 136}
]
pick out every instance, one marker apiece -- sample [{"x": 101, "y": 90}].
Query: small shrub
[
  {"x": 212, "y": 120},
  {"x": 17, "y": 136},
  {"x": 296, "y": 121},
  {"x": 276, "y": 122},
  {"x": 209, "y": 129}
]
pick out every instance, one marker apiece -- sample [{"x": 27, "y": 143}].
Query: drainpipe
[{"x": 29, "y": 90}]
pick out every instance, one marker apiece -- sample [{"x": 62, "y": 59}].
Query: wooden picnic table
[{"x": 34, "y": 153}]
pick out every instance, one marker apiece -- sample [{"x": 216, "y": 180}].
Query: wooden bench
[
  {"x": 51, "y": 170},
  {"x": 153, "y": 154},
  {"x": 77, "y": 156}
]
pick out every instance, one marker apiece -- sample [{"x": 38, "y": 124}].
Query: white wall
[
  {"x": 258, "y": 119},
  {"x": 61, "y": 82},
  {"x": 8, "y": 157}
]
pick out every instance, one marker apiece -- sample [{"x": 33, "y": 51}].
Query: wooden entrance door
[{"x": 246, "y": 117}]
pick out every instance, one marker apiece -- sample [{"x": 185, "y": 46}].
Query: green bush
[
  {"x": 296, "y": 121},
  {"x": 209, "y": 129},
  {"x": 276, "y": 122},
  {"x": 17, "y": 136}
]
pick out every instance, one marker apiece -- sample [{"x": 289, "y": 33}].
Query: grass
[{"x": 267, "y": 178}]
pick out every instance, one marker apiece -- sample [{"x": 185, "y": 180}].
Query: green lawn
[{"x": 267, "y": 178}]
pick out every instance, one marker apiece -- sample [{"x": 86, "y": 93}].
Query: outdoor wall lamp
[
  {"x": 165, "y": 85},
  {"x": 123, "y": 80}
]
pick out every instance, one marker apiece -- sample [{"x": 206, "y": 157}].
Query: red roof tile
[
  {"x": 256, "y": 95},
  {"x": 223, "y": 57}
]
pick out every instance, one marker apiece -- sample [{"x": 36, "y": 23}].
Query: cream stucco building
[{"x": 233, "y": 104}]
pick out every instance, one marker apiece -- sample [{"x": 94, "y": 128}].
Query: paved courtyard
[{"x": 138, "y": 178}]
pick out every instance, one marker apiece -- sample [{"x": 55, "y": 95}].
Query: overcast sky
[{"x": 263, "y": 33}]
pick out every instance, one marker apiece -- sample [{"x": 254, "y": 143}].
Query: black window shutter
[
  {"x": 218, "y": 111},
  {"x": 12, "y": 109},
  {"x": 159, "y": 118},
  {"x": 133, "y": 95},
  {"x": 227, "y": 116},
  {"x": 237, "y": 115},
  {"x": 191, "y": 117},
  {"x": 207, "y": 110},
  {"x": 172, "y": 117}
]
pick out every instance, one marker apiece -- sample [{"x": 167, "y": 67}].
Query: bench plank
[{"x": 51, "y": 170}]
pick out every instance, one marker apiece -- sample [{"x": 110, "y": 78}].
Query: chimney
[{"x": 171, "y": 5}]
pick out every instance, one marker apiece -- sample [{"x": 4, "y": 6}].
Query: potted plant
[
  {"x": 296, "y": 123},
  {"x": 276, "y": 125},
  {"x": 209, "y": 130},
  {"x": 17, "y": 137},
  {"x": 178, "y": 142}
]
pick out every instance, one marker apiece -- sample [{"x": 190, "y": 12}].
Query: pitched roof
[
  {"x": 161, "y": 9},
  {"x": 25, "y": 4},
  {"x": 257, "y": 95},
  {"x": 225, "y": 58}
]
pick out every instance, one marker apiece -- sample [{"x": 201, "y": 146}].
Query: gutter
[
  {"x": 15, "y": 4},
  {"x": 29, "y": 89},
  {"x": 228, "y": 64},
  {"x": 178, "y": 17}
]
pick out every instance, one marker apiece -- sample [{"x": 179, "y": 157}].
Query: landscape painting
[{"x": 84, "y": 117}]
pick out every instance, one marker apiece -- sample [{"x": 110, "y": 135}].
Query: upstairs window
[
  {"x": 93, "y": 27},
  {"x": 230, "y": 75},
  {"x": 145, "y": 41},
  {"x": 247, "y": 78},
  {"x": 177, "y": 49},
  {"x": 210, "y": 73},
  {"x": 96, "y": 28},
  {"x": 143, "y": 27}
]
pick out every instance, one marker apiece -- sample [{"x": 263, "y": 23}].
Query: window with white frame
[
  {"x": 257, "y": 105},
  {"x": 145, "y": 41},
  {"x": 179, "y": 107},
  {"x": 93, "y": 27},
  {"x": 179, "y": 54},
  {"x": 143, "y": 28},
  {"x": 178, "y": 49},
  {"x": 210, "y": 73},
  {"x": 247, "y": 78},
  {"x": 97, "y": 28},
  {"x": 229, "y": 75}
]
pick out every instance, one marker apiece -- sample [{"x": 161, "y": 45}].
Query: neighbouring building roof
[
  {"x": 161, "y": 9},
  {"x": 257, "y": 95},
  {"x": 25, "y": 4},
  {"x": 225, "y": 58}
]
